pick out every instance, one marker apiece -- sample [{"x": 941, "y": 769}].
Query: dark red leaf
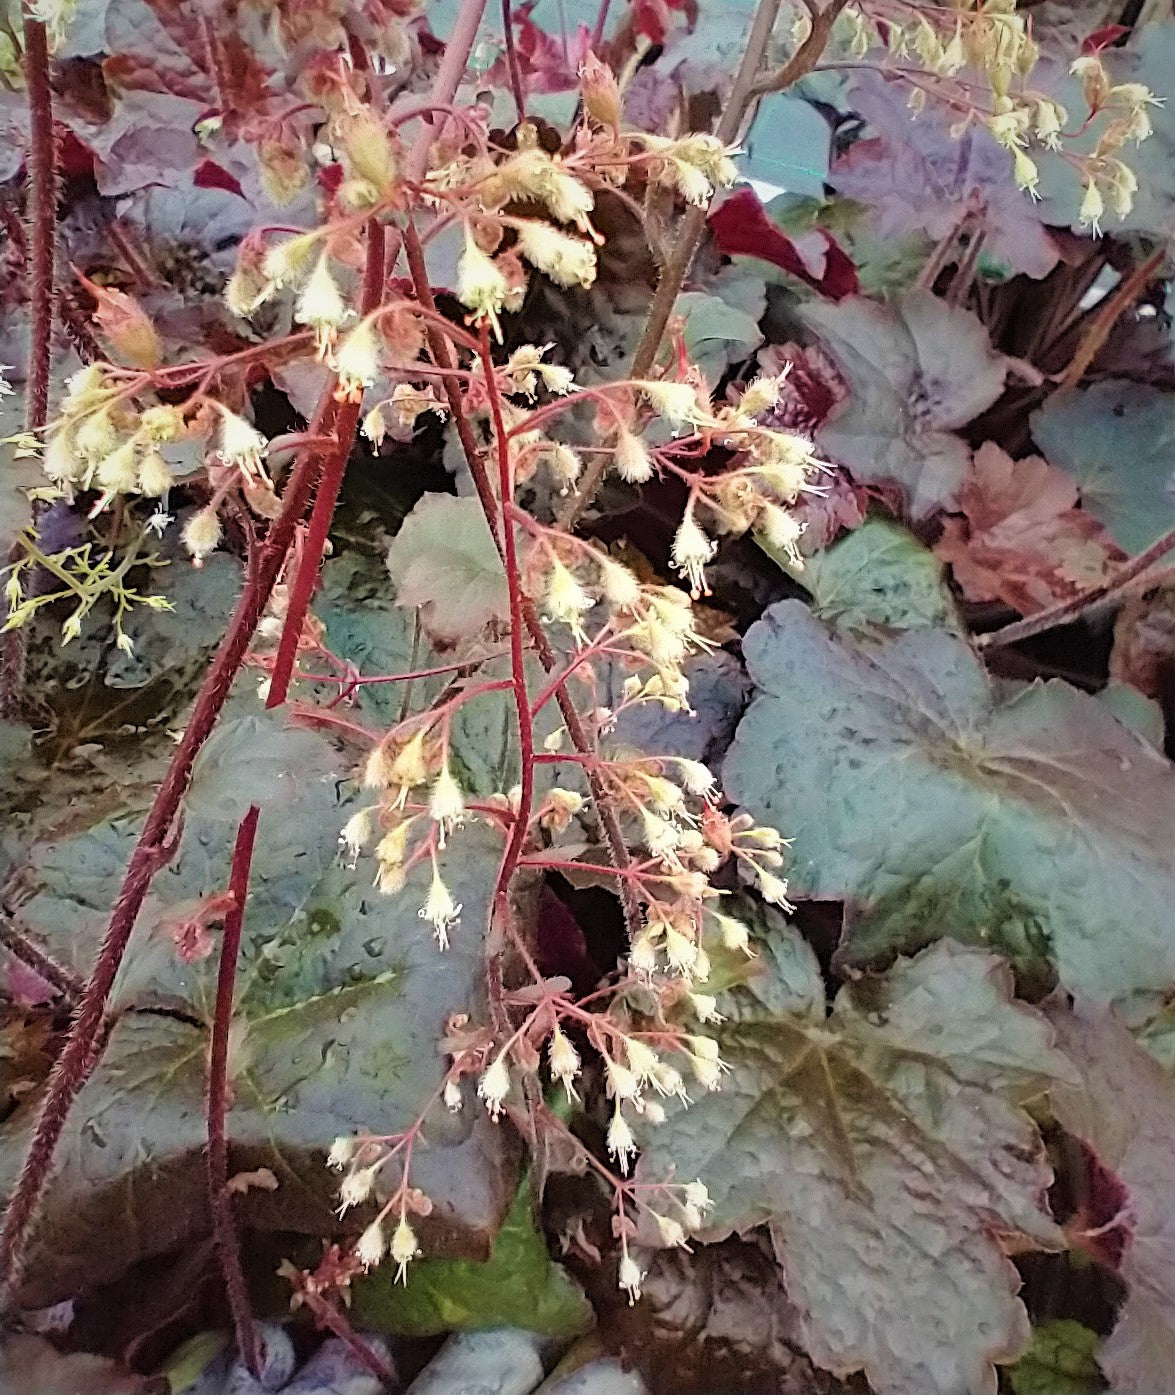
[
  {"x": 1104, "y": 1224},
  {"x": 651, "y": 18},
  {"x": 210, "y": 175},
  {"x": 742, "y": 227},
  {"x": 549, "y": 63},
  {"x": 1104, "y": 37},
  {"x": 73, "y": 157}
]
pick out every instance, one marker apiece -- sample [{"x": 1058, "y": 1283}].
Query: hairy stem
[
  {"x": 33, "y": 957},
  {"x": 224, "y": 1229},
  {"x": 1068, "y": 611},
  {"x": 337, "y": 1322},
  {"x": 311, "y": 554},
  {"x": 78, "y": 1057},
  {"x": 42, "y": 216}
]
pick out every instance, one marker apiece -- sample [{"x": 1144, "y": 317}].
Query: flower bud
[
  {"x": 154, "y": 475},
  {"x": 201, "y": 534},
  {"x": 600, "y": 90}
]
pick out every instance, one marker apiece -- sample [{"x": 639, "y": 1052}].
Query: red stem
[
  {"x": 338, "y": 1323},
  {"x": 517, "y": 650},
  {"x": 151, "y": 852},
  {"x": 42, "y": 197},
  {"x": 310, "y": 558},
  {"x": 224, "y": 1229},
  {"x": 442, "y": 351},
  {"x": 512, "y": 60}
]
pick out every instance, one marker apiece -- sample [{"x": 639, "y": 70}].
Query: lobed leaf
[
  {"x": 940, "y": 801},
  {"x": 876, "y": 579},
  {"x": 885, "y": 1144},
  {"x": 918, "y": 370},
  {"x": 1023, "y": 539},
  {"x": 443, "y": 560},
  {"x": 342, "y": 998},
  {"x": 1117, "y": 440}
]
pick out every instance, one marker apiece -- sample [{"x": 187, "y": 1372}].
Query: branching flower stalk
[
  {"x": 152, "y": 851},
  {"x": 607, "y": 642}
]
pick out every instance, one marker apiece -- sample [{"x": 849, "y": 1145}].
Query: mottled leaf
[
  {"x": 884, "y": 1142},
  {"x": 712, "y": 1318},
  {"x": 518, "y": 1286},
  {"x": 917, "y": 178},
  {"x": 342, "y": 998},
  {"x": 1124, "y": 1109},
  {"x": 1022, "y": 539},
  {"x": 918, "y": 369},
  {"x": 1117, "y": 440},
  {"x": 877, "y": 578},
  {"x": 941, "y": 802},
  {"x": 443, "y": 560}
]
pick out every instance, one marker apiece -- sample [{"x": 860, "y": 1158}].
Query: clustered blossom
[
  {"x": 647, "y": 1042},
  {"x": 993, "y": 38}
]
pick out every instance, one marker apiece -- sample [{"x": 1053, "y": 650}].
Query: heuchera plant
[{"x": 353, "y": 294}]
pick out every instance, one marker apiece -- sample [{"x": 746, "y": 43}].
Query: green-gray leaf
[
  {"x": 1117, "y": 440},
  {"x": 883, "y": 1144},
  {"x": 941, "y": 802},
  {"x": 918, "y": 369},
  {"x": 443, "y": 560},
  {"x": 876, "y": 579}
]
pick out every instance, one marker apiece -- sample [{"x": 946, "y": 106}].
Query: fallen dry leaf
[
  {"x": 260, "y": 1177},
  {"x": 1021, "y": 537}
]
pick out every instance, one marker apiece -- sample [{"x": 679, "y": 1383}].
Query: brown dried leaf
[
  {"x": 260, "y": 1177},
  {"x": 1022, "y": 538}
]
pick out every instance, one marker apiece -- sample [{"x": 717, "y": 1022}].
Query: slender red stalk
[
  {"x": 224, "y": 1228},
  {"x": 337, "y": 1322},
  {"x": 442, "y": 351},
  {"x": 517, "y": 648},
  {"x": 151, "y": 852},
  {"x": 42, "y": 206},
  {"x": 512, "y": 60},
  {"x": 310, "y": 560},
  {"x": 1066, "y": 612},
  {"x": 444, "y": 88}
]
